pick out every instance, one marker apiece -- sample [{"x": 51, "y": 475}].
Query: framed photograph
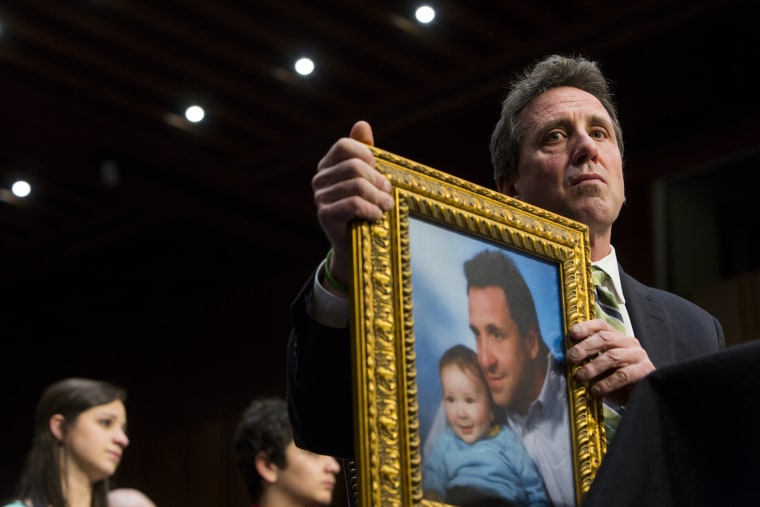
[{"x": 462, "y": 298}]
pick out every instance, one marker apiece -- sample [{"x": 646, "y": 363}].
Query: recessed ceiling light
[
  {"x": 425, "y": 14},
  {"x": 21, "y": 188},
  {"x": 194, "y": 114},
  {"x": 304, "y": 66}
]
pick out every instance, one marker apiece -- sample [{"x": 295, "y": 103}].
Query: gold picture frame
[{"x": 390, "y": 418}]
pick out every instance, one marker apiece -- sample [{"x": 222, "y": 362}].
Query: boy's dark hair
[{"x": 263, "y": 428}]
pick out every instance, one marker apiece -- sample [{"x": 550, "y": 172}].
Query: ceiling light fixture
[
  {"x": 424, "y": 14},
  {"x": 304, "y": 66},
  {"x": 21, "y": 188},
  {"x": 194, "y": 114}
]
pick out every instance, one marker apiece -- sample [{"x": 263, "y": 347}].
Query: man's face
[
  {"x": 503, "y": 353},
  {"x": 570, "y": 162}
]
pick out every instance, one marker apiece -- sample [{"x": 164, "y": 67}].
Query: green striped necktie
[{"x": 607, "y": 308}]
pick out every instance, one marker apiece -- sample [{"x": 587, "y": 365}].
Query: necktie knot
[
  {"x": 605, "y": 302},
  {"x": 598, "y": 276}
]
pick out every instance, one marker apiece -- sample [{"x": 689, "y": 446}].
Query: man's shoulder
[{"x": 634, "y": 288}]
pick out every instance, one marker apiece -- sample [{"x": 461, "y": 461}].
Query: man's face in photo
[{"x": 503, "y": 353}]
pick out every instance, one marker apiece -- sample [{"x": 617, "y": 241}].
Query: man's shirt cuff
[{"x": 325, "y": 307}]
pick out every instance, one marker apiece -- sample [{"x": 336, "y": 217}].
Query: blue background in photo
[{"x": 439, "y": 298}]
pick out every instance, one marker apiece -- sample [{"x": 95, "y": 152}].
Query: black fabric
[
  {"x": 688, "y": 437},
  {"x": 319, "y": 393},
  {"x": 463, "y": 496}
]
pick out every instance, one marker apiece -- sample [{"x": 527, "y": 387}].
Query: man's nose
[
  {"x": 485, "y": 358},
  {"x": 585, "y": 149}
]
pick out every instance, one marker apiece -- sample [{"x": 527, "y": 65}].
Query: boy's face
[
  {"x": 466, "y": 402},
  {"x": 307, "y": 478}
]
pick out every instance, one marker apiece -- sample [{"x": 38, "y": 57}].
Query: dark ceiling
[{"x": 214, "y": 222}]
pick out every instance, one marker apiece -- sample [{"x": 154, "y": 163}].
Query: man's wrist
[
  {"x": 330, "y": 281},
  {"x": 327, "y": 306}
]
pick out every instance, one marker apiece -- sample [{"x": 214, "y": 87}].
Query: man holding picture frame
[{"x": 559, "y": 146}]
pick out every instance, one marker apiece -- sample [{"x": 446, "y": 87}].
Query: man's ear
[
  {"x": 533, "y": 342},
  {"x": 505, "y": 186},
  {"x": 266, "y": 467},
  {"x": 56, "y": 426}
]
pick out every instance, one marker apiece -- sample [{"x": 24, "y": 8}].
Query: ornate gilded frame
[{"x": 384, "y": 363}]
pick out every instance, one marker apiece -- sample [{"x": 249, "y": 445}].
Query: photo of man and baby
[{"x": 493, "y": 405}]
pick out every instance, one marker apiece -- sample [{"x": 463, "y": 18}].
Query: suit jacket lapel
[{"x": 650, "y": 321}]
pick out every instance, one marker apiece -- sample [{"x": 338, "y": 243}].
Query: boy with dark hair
[{"x": 276, "y": 473}]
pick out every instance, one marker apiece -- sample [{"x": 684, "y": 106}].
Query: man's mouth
[{"x": 586, "y": 178}]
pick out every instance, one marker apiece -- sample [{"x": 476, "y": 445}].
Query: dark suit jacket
[{"x": 670, "y": 328}]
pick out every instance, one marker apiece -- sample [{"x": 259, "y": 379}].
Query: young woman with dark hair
[{"x": 79, "y": 438}]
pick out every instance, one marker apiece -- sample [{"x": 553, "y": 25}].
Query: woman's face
[{"x": 96, "y": 440}]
